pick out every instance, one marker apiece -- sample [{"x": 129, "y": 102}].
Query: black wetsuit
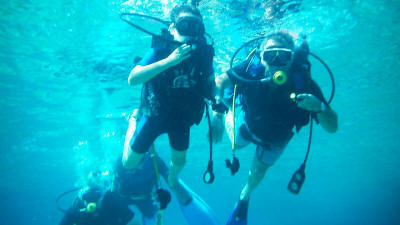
[
  {"x": 113, "y": 210},
  {"x": 270, "y": 113},
  {"x": 137, "y": 185},
  {"x": 174, "y": 100}
]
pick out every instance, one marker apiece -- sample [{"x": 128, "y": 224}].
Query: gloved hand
[
  {"x": 309, "y": 102},
  {"x": 163, "y": 197}
]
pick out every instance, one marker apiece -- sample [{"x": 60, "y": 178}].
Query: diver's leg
[
  {"x": 196, "y": 211},
  {"x": 131, "y": 159},
  {"x": 150, "y": 220},
  {"x": 148, "y": 209},
  {"x": 256, "y": 174},
  {"x": 140, "y": 135},
  {"x": 178, "y": 161},
  {"x": 263, "y": 159},
  {"x": 134, "y": 221},
  {"x": 179, "y": 140},
  {"x": 236, "y": 135}
]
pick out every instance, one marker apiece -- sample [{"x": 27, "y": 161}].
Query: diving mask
[
  {"x": 190, "y": 26},
  {"x": 277, "y": 56}
]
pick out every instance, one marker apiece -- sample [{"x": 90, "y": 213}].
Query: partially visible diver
[
  {"x": 277, "y": 95},
  {"x": 276, "y": 9},
  {"x": 267, "y": 9},
  {"x": 96, "y": 204},
  {"x": 102, "y": 203},
  {"x": 194, "y": 3},
  {"x": 141, "y": 185},
  {"x": 176, "y": 79}
]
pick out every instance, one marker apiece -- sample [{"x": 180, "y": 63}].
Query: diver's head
[
  {"x": 276, "y": 52},
  {"x": 99, "y": 179},
  {"x": 91, "y": 198},
  {"x": 187, "y": 24},
  {"x": 97, "y": 183}
]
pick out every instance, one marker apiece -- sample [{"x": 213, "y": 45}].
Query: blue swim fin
[
  {"x": 239, "y": 214},
  {"x": 197, "y": 212}
]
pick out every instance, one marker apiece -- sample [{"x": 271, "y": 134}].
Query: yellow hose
[
  {"x": 160, "y": 215},
  {"x": 233, "y": 117}
]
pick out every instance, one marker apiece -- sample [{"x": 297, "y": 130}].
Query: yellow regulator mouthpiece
[
  {"x": 279, "y": 77},
  {"x": 91, "y": 207}
]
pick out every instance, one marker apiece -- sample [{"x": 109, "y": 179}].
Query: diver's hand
[
  {"x": 163, "y": 197},
  {"x": 217, "y": 128},
  {"x": 309, "y": 102},
  {"x": 179, "y": 54}
]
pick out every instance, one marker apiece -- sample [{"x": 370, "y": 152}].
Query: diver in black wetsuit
[
  {"x": 97, "y": 205},
  {"x": 277, "y": 96},
  {"x": 176, "y": 79}
]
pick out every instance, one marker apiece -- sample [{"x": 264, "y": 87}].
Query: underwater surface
[{"x": 65, "y": 98}]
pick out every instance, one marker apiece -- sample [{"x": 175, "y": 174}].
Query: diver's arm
[
  {"x": 328, "y": 120},
  {"x": 222, "y": 82},
  {"x": 70, "y": 217},
  {"x": 141, "y": 74},
  {"x": 217, "y": 125},
  {"x": 325, "y": 115}
]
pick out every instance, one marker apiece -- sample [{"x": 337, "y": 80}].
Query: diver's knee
[
  {"x": 178, "y": 162},
  {"x": 178, "y": 158},
  {"x": 125, "y": 163},
  {"x": 131, "y": 159},
  {"x": 255, "y": 176}
]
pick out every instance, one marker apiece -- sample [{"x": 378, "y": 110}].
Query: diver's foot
[
  {"x": 184, "y": 197},
  {"x": 241, "y": 209},
  {"x": 172, "y": 181},
  {"x": 239, "y": 214}
]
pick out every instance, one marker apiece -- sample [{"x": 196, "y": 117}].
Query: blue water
[{"x": 64, "y": 98}]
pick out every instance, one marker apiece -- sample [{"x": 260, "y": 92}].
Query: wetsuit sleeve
[
  {"x": 72, "y": 214},
  {"x": 209, "y": 88},
  {"x": 149, "y": 58},
  {"x": 68, "y": 218},
  {"x": 116, "y": 209}
]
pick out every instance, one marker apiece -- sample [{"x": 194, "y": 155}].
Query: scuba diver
[
  {"x": 103, "y": 204},
  {"x": 276, "y": 94},
  {"x": 254, "y": 10},
  {"x": 142, "y": 186},
  {"x": 176, "y": 77},
  {"x": 97, "y": 205},
  {"x": 276, "y": 9}
]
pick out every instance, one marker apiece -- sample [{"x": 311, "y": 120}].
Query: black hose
[
  {"x": 121, "y": 16},
  {"x": 330, "y": 74},
  {"x": 309, "y": 142},
  {"x": 62, "y": 195},
  {"x": 166, "y": 23},
  {"x": 210, "y": 171}
]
